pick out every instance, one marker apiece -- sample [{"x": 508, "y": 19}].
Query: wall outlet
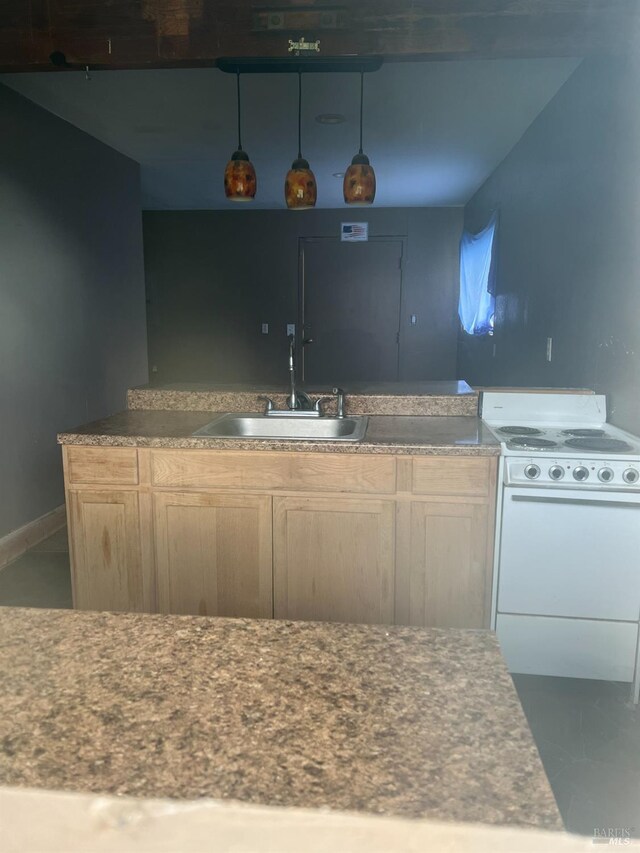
[
  {"x": 549, "y": 348},
  {"x": 291, "y": 328},
  {"x": 265, "y": 328}
]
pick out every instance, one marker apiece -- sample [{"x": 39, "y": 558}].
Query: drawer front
[
  {"x": 570, "y": 648},
  {"x": 453, "y": 475},
  {"x": 309, "y": 472},
  {"x": 108, "y": 465}
]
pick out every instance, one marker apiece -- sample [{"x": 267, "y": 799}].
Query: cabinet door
[
  {"x": 444, "y": 567},
  {"x": 214, "y": 554},
  {"x": 334, "y": 559},
  {"x": 107, "y": 567}
]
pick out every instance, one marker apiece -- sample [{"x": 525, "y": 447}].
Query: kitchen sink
[{"x": 298, "y": 428}]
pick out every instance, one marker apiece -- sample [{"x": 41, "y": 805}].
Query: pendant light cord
[
  {"x": 361, "y": 102},
  {"x": 238, "y": 91},
  {"x": 299, "y": 115}
]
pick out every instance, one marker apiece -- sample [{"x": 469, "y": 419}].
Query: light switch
[
  {"x": 265, "y": 328},
  {"x": 414, "y": 320}
]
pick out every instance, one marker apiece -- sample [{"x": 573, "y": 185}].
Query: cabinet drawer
[
  {"x": 109, "y": 465},
  {"x": 310, "y": 472},
  {"x": 453, "y": 475},
  {"x": 569, "y": 648}
]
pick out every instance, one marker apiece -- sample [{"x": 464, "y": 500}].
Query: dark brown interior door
[{"x": 350, "y": 301}]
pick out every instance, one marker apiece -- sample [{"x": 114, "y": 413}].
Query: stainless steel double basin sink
[{"x": 299, "y": 427}]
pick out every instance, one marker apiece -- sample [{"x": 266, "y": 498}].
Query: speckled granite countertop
[
  {"x": 390, "y": 720},
  {"x": 385, "y": 434},
  {"x": 429, "y": 399}
]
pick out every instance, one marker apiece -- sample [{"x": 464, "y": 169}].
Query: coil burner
[
  {"x": 520, "y": 430},
  {"x": 599, "y": 445},
  {"x": 532, "y": 442}
]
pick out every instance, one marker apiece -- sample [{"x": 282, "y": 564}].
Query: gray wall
[
  {"x": 72, "y": 311},
  {"x": 568, "y": 264},
  {"x": 214, "y": 277}
]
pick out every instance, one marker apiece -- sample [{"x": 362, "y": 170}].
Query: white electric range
[{"x": 567, "y": 559}]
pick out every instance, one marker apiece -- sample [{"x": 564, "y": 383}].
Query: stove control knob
[
  {"x": 580, "y": 472},
  {"x": 605, "y": 475},
  {"x": 556, "y": 472},
  {"x": 631, "y": 476},
  {"x": 532, "y": 472}
]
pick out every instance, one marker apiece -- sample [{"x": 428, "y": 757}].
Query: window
[{"x": 477, "y": 291}]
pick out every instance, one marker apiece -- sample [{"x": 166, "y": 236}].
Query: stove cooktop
[{"x": 560, "y": 439}]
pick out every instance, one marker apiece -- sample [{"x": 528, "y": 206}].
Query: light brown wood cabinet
[
  {"x": 107, "y": 572},
  {"x": 213, "y": 554},
  {"x": 446, "y": 576},
  {"x": 334, "y": 559},
  {"x": 342, "y": 537}
]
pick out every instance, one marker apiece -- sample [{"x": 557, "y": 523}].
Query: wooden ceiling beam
[{"x": 161, "y": 33}]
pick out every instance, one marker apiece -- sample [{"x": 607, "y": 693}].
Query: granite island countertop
[
  {"x": 453, "y": 435},
  {"x": 376, "y": 719}
]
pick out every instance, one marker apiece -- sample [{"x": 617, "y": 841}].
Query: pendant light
[
  {"x": 240, "y": 182},
  {"x": 359, "y": 186},
  {"x": 300, "y": 190}
]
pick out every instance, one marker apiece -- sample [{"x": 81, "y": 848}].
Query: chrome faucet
[
  {"x": 296, "y": 399},
  {"x": 292, "y": 400},
  {"x": 299, "y": 403}
]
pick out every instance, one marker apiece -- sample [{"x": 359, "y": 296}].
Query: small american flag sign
[{"x": 354, "y": 232}]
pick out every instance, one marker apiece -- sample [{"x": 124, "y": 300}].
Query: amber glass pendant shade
[
  {"x": 300, "y": 190},
  {"x": 359, "y": 185},
  {"x": 240, "y": 182}
]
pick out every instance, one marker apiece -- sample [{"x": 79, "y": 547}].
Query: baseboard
[{"x": 18, "y": 541}]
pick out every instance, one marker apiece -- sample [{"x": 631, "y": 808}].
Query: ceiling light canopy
[
  {"x": 359, "y": 186},
  {"x": 240, "y": 182}
]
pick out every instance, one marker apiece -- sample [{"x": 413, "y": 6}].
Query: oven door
[{"x": 570, "y": 552}]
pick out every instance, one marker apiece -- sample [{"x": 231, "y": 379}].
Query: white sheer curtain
[{"x": 477, "y": 302}]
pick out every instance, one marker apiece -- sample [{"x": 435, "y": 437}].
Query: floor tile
[
  {"x": 588, "y": 736},
  {"x": 604, "y": 795},
  {"x": 37, "y": 579},
  {"x": 58, "y": 541}
]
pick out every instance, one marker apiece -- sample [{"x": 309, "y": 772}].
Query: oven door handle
[{"x": 594, "y": 501}]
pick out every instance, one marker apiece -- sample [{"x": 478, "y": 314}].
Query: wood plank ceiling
[{"x": 165, "y": 33}]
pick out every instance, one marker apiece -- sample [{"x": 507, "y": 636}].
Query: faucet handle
[
  {"x": 340, "y": 400},
  {"x": 317, "y": 404},
  {"x": 269, "y": 404}
]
